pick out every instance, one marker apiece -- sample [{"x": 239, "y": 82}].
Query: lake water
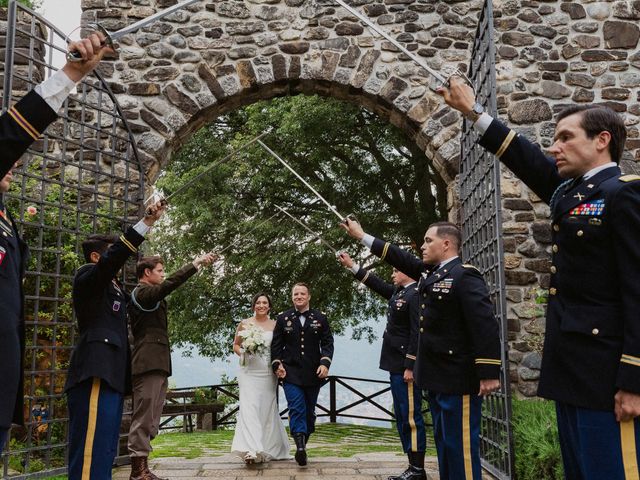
[{"x": 352, "y": 358}]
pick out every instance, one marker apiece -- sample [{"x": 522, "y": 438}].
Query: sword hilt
[
  {"x": 148, "y": 211},
  {"x": 108, "y": 41}
]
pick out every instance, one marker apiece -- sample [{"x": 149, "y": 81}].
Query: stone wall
[{"x": 175, "y": 75}]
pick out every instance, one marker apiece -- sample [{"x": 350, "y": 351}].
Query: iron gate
[
  {"x": 82, "y": 176},
  {"x": 482, "y": 244}
]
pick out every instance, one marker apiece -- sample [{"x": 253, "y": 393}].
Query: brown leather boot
[{"x": 140, "y": 470}]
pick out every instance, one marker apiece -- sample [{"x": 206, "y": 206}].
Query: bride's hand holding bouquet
[{"x": 252, "y": 343}]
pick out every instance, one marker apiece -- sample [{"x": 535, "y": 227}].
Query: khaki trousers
[{"x": 149, "y": 391}]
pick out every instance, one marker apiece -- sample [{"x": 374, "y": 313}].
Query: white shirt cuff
[
  {"x": 482, "y": 124},
  {"x": 142, "y": 228},
  {"x": 354, "y": 268},
  {"x": 55, "y": 89},
  {"x": 367, "y": 241}
]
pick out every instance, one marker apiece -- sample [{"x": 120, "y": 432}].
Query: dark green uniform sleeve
[{"x": 149, "y": 295}]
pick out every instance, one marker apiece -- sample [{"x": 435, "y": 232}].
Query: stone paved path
[{"x": 369, "y": 466}]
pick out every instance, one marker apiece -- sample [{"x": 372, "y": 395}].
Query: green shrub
[
  {"x": 34, "y": 4},
  {"x": 537, "y": 448}
]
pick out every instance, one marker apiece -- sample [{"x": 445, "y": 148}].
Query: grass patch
[
  {"x": 329, "y": 440},
  {"x": 536, "y": 440}
]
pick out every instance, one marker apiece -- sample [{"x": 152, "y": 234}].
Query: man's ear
[
  {"x": 603, "y": 140},
  {"x": 94, "y": 257}
]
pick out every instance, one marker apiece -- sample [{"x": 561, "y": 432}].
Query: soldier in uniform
[
  {"x": 20, "y": 126},
  {"x": 100, "y": 369},
  {"x": 398, "y": 355},
  {"x": 591, "y": 356},
  {"x": 151, "y": 360},
  {"x": 301, "y": 353},
  {"x": 458, "y": 359}
]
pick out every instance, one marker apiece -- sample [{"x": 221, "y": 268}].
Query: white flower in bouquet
[{"x": 253, "y": 342}]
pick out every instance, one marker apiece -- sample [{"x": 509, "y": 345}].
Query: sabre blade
[
  {"x": 388, "y": 37},
  {"x": 249, "y": 232},
  {"x": 307, "y": 184},
  {"x": 307, "y": 228}
]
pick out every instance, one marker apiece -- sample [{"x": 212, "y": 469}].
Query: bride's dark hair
[{"x": 257, "y": 296}]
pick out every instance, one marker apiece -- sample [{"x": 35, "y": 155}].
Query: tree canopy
[{"x": 358, "y": 162}]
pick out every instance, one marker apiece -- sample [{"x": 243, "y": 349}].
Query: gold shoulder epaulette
[
  {"x": 468, "y": 265},
  {"x": 629, "y": 178}
]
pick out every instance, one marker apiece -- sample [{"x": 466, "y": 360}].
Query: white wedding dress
[{"x": 259, "y": 434}]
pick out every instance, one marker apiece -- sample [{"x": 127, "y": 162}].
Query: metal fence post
[{"x": 332, "y": 399}]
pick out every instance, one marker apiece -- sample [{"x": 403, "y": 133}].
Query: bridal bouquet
[{"x": 252, "y": 342}]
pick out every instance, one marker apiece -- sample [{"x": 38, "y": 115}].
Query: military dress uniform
[
  {"x": 459, "y": 344},
  {"x": 19, "y": 127},
  {"x": 151, "y": 361},
  {"x": 592, "y": 339},
  {"x": 399, "y": 347},
  {"x": 301, "y": 349},
  {"x": 100, "y": 369}
]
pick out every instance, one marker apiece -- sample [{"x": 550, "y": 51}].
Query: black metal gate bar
[
  {"x": 83, "y": 176},
  {"x": 482, "y": 244}
]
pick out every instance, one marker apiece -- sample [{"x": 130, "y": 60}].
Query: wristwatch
[{"x": 474, "y": 114}]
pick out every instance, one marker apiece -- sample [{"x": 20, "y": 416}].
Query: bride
[{"x": 260, "y": 435}]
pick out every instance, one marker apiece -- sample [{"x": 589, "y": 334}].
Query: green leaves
[{"x": 360, "y": 164}]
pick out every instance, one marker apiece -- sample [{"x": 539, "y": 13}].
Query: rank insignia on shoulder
[{"x": 629, "y": 178}]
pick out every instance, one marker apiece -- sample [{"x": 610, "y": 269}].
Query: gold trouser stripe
[
  {"x": 506, "y": 143},
  {"x": 91, "y": 429},
  {"x": 629, "y": 454},
  {"x": 412, "y": 421},
  {"x": 466, "y": 436},
  {"x": 364, "y": 279},
  {"x": 384, "y": 251}
]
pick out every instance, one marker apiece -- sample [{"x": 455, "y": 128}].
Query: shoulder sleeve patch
[{"x": 629, "y": 178}]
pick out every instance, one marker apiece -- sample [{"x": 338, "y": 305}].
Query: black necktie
[{"x": 574, "y": 183}]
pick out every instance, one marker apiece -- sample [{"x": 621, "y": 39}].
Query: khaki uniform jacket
[{"x": 148, "y": 317}]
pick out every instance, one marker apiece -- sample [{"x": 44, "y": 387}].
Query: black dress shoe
[{"x": 411, "y": 473}]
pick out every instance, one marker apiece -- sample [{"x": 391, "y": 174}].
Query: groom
[{"x": 301, "y": 353}]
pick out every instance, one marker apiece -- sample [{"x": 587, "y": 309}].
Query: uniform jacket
[
  {"x": 592, "y": 340},
  {"x": 19, "y": 127},
  {"x": 459, "y": 342},
  {"x": 102, "y": 349},
  {"x": 302, "y": 349},
  {"x": 400, "y": 339},
  {"x": 151, "y": 350}
]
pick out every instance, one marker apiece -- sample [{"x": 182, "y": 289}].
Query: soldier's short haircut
[
  {"x": 147, "y": 262},
  {"x": 98, "y": 243},
  {"x": 301, "y": 284},
  {"x": 448, "y": 230},
  {"x": 595, "y": 119},
  {"x": 257, "y": 296}
]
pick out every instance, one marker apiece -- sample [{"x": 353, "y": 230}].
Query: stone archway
[{"x": 175, "y": 75}]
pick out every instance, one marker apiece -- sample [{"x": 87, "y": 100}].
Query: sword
[
  {"x": 111, "y": 37},
  {"x": 186, "y": 185},
  {"x": 275, "y": 155},
  {"x": 248, "y": 233},
  {"x": 443, "y": 81},
  {"x": 303, "y": 225}
]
